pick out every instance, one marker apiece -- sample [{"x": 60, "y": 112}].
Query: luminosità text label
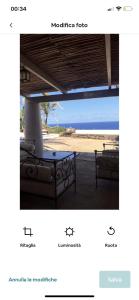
[{"x": 69, "y": 245}]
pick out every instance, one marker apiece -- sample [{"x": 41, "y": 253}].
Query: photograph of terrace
[{"x": 69, "y": 121}]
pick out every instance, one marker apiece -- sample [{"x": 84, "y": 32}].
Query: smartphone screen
[{"x": 69, "y": 149}]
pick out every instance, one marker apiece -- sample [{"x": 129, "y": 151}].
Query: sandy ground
[
  {"x": 75, "y": 144},
  {"x": 55, "y": 142}
]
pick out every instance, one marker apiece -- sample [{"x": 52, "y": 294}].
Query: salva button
[{"x": 114, "y": 279}]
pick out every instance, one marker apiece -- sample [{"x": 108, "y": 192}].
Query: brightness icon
[{"x": 69, "y": 231}]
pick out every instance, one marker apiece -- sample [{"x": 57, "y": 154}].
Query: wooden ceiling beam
[
  {"x": 77, "y": 96},
  {"x": 108, "y": 57},
  {"x": 44, "y": 90},
  {"x": 37, "y": 71},
  {"x": 22, "y": 93}
]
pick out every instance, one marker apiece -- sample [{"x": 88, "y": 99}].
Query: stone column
[{"x": 33, "y": 130}]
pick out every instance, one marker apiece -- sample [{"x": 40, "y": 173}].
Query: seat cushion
[
  {"x": 36, "y": 172},
  {"x": 106, "y": 162},
  {"x": 27, "y": 146}
]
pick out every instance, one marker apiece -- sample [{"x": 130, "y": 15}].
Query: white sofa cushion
[
  {"x": 108, "y": 162},
  {"x": 36, "y": 172},
  {"x": 27, "y": 146}
]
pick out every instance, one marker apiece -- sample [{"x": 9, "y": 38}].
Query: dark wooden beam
[
  {"x": 77, "y": 96},
  {"x": 108, "y": 57},
  {"x": 22, "y": 93},
  {"x": 37, "y": 71},
  {"x": 42, "y": 91}
]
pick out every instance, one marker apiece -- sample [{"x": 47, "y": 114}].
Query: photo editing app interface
[{"x": 69, "y": 149}]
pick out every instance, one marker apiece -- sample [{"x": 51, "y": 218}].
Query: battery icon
[{"x": 127, "y": 8}]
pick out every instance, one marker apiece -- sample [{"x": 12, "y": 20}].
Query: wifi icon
[{"x": 118, "y": 8}]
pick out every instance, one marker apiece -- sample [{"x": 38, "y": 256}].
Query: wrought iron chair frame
[
  {"x": 63, "y": 169},
  {"x": 101, "y": 177}
]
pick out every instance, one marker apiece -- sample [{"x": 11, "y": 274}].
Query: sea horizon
[{"x": 109, "y": 125}]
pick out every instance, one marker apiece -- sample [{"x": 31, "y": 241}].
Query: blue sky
[{"x": 91, "y": 110}]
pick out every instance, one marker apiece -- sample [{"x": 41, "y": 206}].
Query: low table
[{"x": 55, "y": 155}]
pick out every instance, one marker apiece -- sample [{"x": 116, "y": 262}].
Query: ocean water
[{"x": 90, "y": 125}]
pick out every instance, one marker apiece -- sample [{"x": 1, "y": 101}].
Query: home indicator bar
[{"x": 69, "y": 296}]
